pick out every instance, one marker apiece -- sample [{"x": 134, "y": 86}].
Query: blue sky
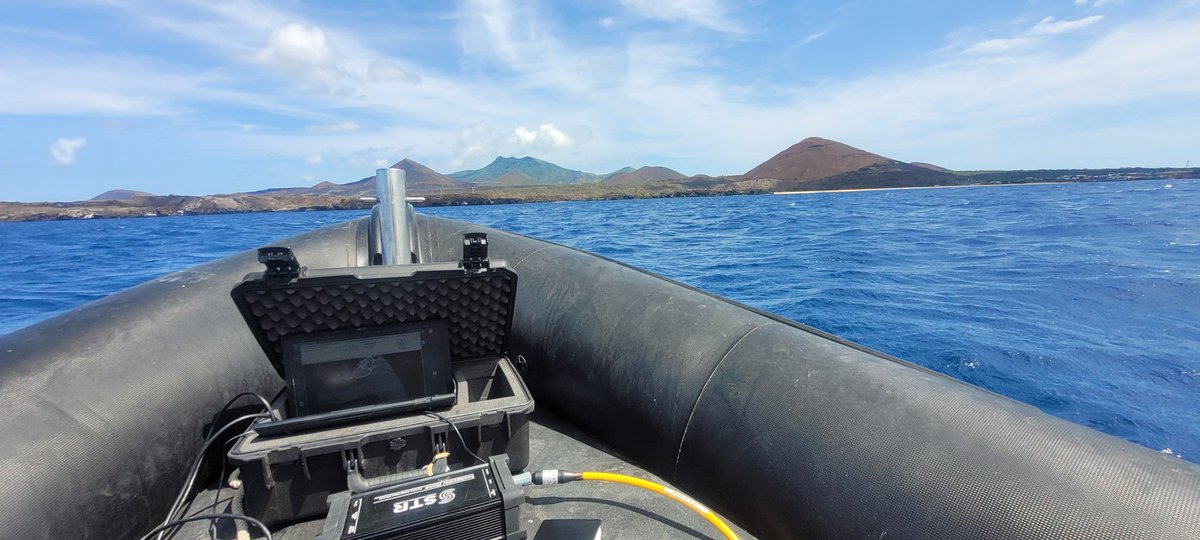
[{"x": 211, "y": 97}]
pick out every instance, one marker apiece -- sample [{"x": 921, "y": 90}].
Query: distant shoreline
[
  {"x": 936, "y": 187},
  {"x": 813, "y": 165},
  {"x": 167, "y": 206},
  {"x": 176, "y": 205}
]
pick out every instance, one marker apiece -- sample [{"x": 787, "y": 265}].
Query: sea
[{"x": 1080, "y": 299}]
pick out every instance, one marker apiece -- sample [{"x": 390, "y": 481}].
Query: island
[{"x": 812, "y": 165}]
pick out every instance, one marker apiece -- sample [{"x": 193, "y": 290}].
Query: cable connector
[
  {"x": 439, "y": 465},
  {"x": 546, "y": 478},
  {"x": 554, "y": 476}
]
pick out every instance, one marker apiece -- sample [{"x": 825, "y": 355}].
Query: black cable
[
  {"x": 164, "y": 527},
  {"x": 208, "y": 434},
  {"x": 266, "y": 405},
  {"x": 236, "y": 506},
  {"x": 457, "y": 432},
  {"x": 212, "y": 529},
  {"x": 200, "y": 461},
  {"x": 195, "y": 469}
]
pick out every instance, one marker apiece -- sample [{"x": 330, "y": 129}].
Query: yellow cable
[{"x": 664, "y": 490}]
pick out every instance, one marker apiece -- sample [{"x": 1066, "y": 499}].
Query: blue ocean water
[{"x": 1080, "y": 299}]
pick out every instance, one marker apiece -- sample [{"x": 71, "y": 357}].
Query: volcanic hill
[
  {"x": 643, "y": 175},
  {"x": 118, "y": 194},
  {"x": 817, "y": 163},
  {"x": 929, "y": 166},
  {"x": 524, "y": 171},
  {"x": 419, "y": 180}
]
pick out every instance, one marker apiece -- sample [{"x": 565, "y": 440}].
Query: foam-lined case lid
[{"x": 477, "y": 307}]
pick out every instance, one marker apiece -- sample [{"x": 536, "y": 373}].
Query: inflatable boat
[{"x": 783, "y": 430}]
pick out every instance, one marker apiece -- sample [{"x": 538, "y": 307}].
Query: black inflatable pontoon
[{"x": 786, "y": 431}]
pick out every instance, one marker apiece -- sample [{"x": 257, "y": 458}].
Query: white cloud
[
  {"x": 388, "y": 71},
  {"x": 362, "y": 159},
  {"x": 962, "y": 99},
  {"x": 810, "y": 38},
  {"x": 63, "y": 150},
  {"x": 339, "y": 127},
  {"x": 545, "y": 137},
  {"x": 1081, "y": 3},
  {"x": 710, "y": 14},
  {"x": 314, "y": 159},
  {"x": 296, "y": 43},
  {"x": 999, "y": 45},
  {"x": 478, "y": 142},
  {"x": 608, "y": 22},
  {"x": 46, "y": 35},
  {"x": 646, "y": 98},
  {"x": 1050, "y": 25},
  {"x": 495, "y": 21},
  {"x": 301, "y": 51},
  {"x": 36, "y": 80},
  {"x": 474, "y": 142},
  {"x": 234, "y": 28}
]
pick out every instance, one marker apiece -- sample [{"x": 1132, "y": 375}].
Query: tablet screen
[{"x": 346, "y": 369}]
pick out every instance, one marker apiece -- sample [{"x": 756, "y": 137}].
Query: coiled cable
[{"x": 551, "y": 477}]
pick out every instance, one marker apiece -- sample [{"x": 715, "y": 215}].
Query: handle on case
[{"x": 357, "y": 483}]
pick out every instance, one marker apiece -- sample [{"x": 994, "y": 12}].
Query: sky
[{"x": 202, "y": 97}]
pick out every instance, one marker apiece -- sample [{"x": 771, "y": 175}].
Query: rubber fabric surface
[
  {"x": 102, "y": 409},
  {"x": 794, "y": 433}
]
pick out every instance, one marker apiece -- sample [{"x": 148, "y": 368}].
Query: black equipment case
[
  {"x": 288, "y": 477},
  {"x": 477, "y": 503}
]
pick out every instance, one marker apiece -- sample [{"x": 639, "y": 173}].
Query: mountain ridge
[
  {"x": 530, "y": 171},
  {"x": 119, "y": 194},
  {"x": 642, "y": 175},
  {"x": 418, "y": 180},
  {"x": 813, "y": 164}
]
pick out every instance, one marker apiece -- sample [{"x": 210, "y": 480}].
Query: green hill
[{"x": 525, "y": 171}]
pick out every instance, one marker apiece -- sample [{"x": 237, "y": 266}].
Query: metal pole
[{"x": 393, "y": 210}]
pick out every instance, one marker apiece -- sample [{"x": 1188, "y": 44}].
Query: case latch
[
  {"x": 281, "y": 263},
  {"x": 475, "y": 252}
]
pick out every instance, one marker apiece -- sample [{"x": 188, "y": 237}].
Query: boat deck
[{"x": 625, "y": 511}]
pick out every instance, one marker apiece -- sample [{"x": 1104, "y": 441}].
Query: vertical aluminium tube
[{"x": 393, "y": 210}]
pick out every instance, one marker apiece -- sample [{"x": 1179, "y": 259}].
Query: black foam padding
[
  {"x": 797, "y": 434},
  {"x": 477, "y": 307}
]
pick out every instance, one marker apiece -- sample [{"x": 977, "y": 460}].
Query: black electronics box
[
  {"x": 476, "y": 503},
  {"x": 289, "y": 477}
]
